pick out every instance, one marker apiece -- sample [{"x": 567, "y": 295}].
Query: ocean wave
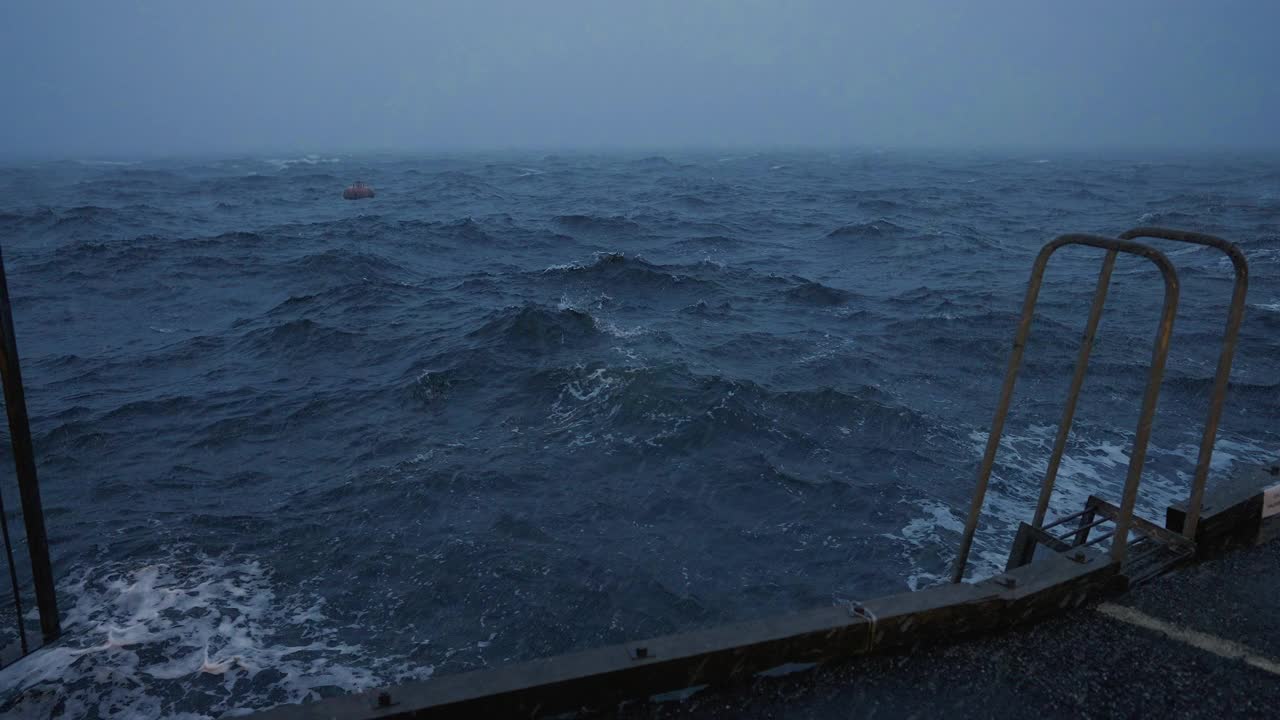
[
  {"x": 467, "y": 230},
  {"x": 690, "y": 201},
  {"x": 109, "y": 163},
  {"x": 864, "y": 231},
  {"x": 85, "y": 258},
  {"x": 345, "y": 263},
  {"x": 611, "y": 224},
  {"x": 928, "y": 538},
  {"x": 85, "y": 215},
  {"x": 1238, "y": 391},
  {"x": 809, "y": 292},
  {"x": 315, "y": 179},
  {"x": 140, "y": 635},
  {"x": 458, "y": 185},
  {"x": 993, "y": 324},
  {"x": 115, "y": 181},
  {"x": 304, "y": 161},
  {"x": 653, "y": 161},
  {"x": 879, "y": 205},
  {"x": 537, "y": 328},
  {"x": 234, "y": 238},
  {"x": 346, "y": 301},
  {"x": 1089, "y": 196},
  {"x": 193, "y": 348},
  {"x": 431, "y": 387},
  {"x": 300, "y": 338},
  {"x": 634, "y": 273},
  {"x": 667, "y": 407},
  {"x": 704, "y": 309},
  {"x": 1170, "y": 217},
  {"x": 713, "y": 243},
  {"x": 26, "y": 219}
]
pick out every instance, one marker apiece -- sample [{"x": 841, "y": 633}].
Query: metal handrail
[
  {"x": 1235, "y": 315},
  {"x": 1159, "y": 353}
]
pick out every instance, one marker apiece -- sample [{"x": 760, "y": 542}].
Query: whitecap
[{"x": 136, "y": 636}]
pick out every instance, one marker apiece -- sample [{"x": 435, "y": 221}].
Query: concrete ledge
[{"x": 1243, "y": 510}]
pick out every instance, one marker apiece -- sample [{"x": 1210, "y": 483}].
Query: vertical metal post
[
  {"x": 1077, "y": 380},
  {"x": 1002, "y": 410},
  {"x": 1145, "y": 418},
  {"x": 24, "y": 460}
]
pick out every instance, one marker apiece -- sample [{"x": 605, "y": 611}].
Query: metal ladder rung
[
  {"x": 1100, "y": 538},
  {"x": 1083, "y": 528},
  {"x": 1064, "y": 518}
]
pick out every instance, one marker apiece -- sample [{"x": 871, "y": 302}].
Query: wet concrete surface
[{"x": 1084, "y": 664}]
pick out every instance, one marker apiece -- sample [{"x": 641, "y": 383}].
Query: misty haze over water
[{"x": 148, "y": 78}]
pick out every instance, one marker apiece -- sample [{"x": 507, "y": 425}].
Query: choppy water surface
[{"x": 519, "y": 405}]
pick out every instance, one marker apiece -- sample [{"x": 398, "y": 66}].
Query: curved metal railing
[
  {"x": 1159, "y": 353},
  {"x": 1235, "y": 315}
]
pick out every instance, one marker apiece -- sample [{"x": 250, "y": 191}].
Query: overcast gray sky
[{"x": 125, "y": 77}]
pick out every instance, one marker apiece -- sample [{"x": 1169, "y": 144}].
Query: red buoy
[{"x": 357, "y": 191}]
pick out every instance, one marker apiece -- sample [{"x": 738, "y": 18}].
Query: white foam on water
[
  {"x": 597, "y": 304},
  {"x": 562, "y": 267},
  {"x": 110, "y": 163},
  {"x": 311, "y": 159},
  {"x": 609, "y": 327},
  {"x": 188, "y": 638},
  {"x": 591, "y": 386},
  {"x": 828, "y": 347},
  {"x": 922, "y": 534},
  {"x": 584, "y": 404}
]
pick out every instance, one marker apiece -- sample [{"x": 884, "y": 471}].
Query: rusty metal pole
[
  {"x": 1077, "y": 380},
  {"x": 1002, "y": 410},
  {"x": 25, "y": 463},
  {"x": 1146, "y": 417}
]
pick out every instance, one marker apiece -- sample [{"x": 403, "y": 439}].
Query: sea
[{"x": 519, "y": 403}]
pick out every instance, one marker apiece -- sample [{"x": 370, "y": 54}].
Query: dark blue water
[{"x": 518, "y": 405}]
